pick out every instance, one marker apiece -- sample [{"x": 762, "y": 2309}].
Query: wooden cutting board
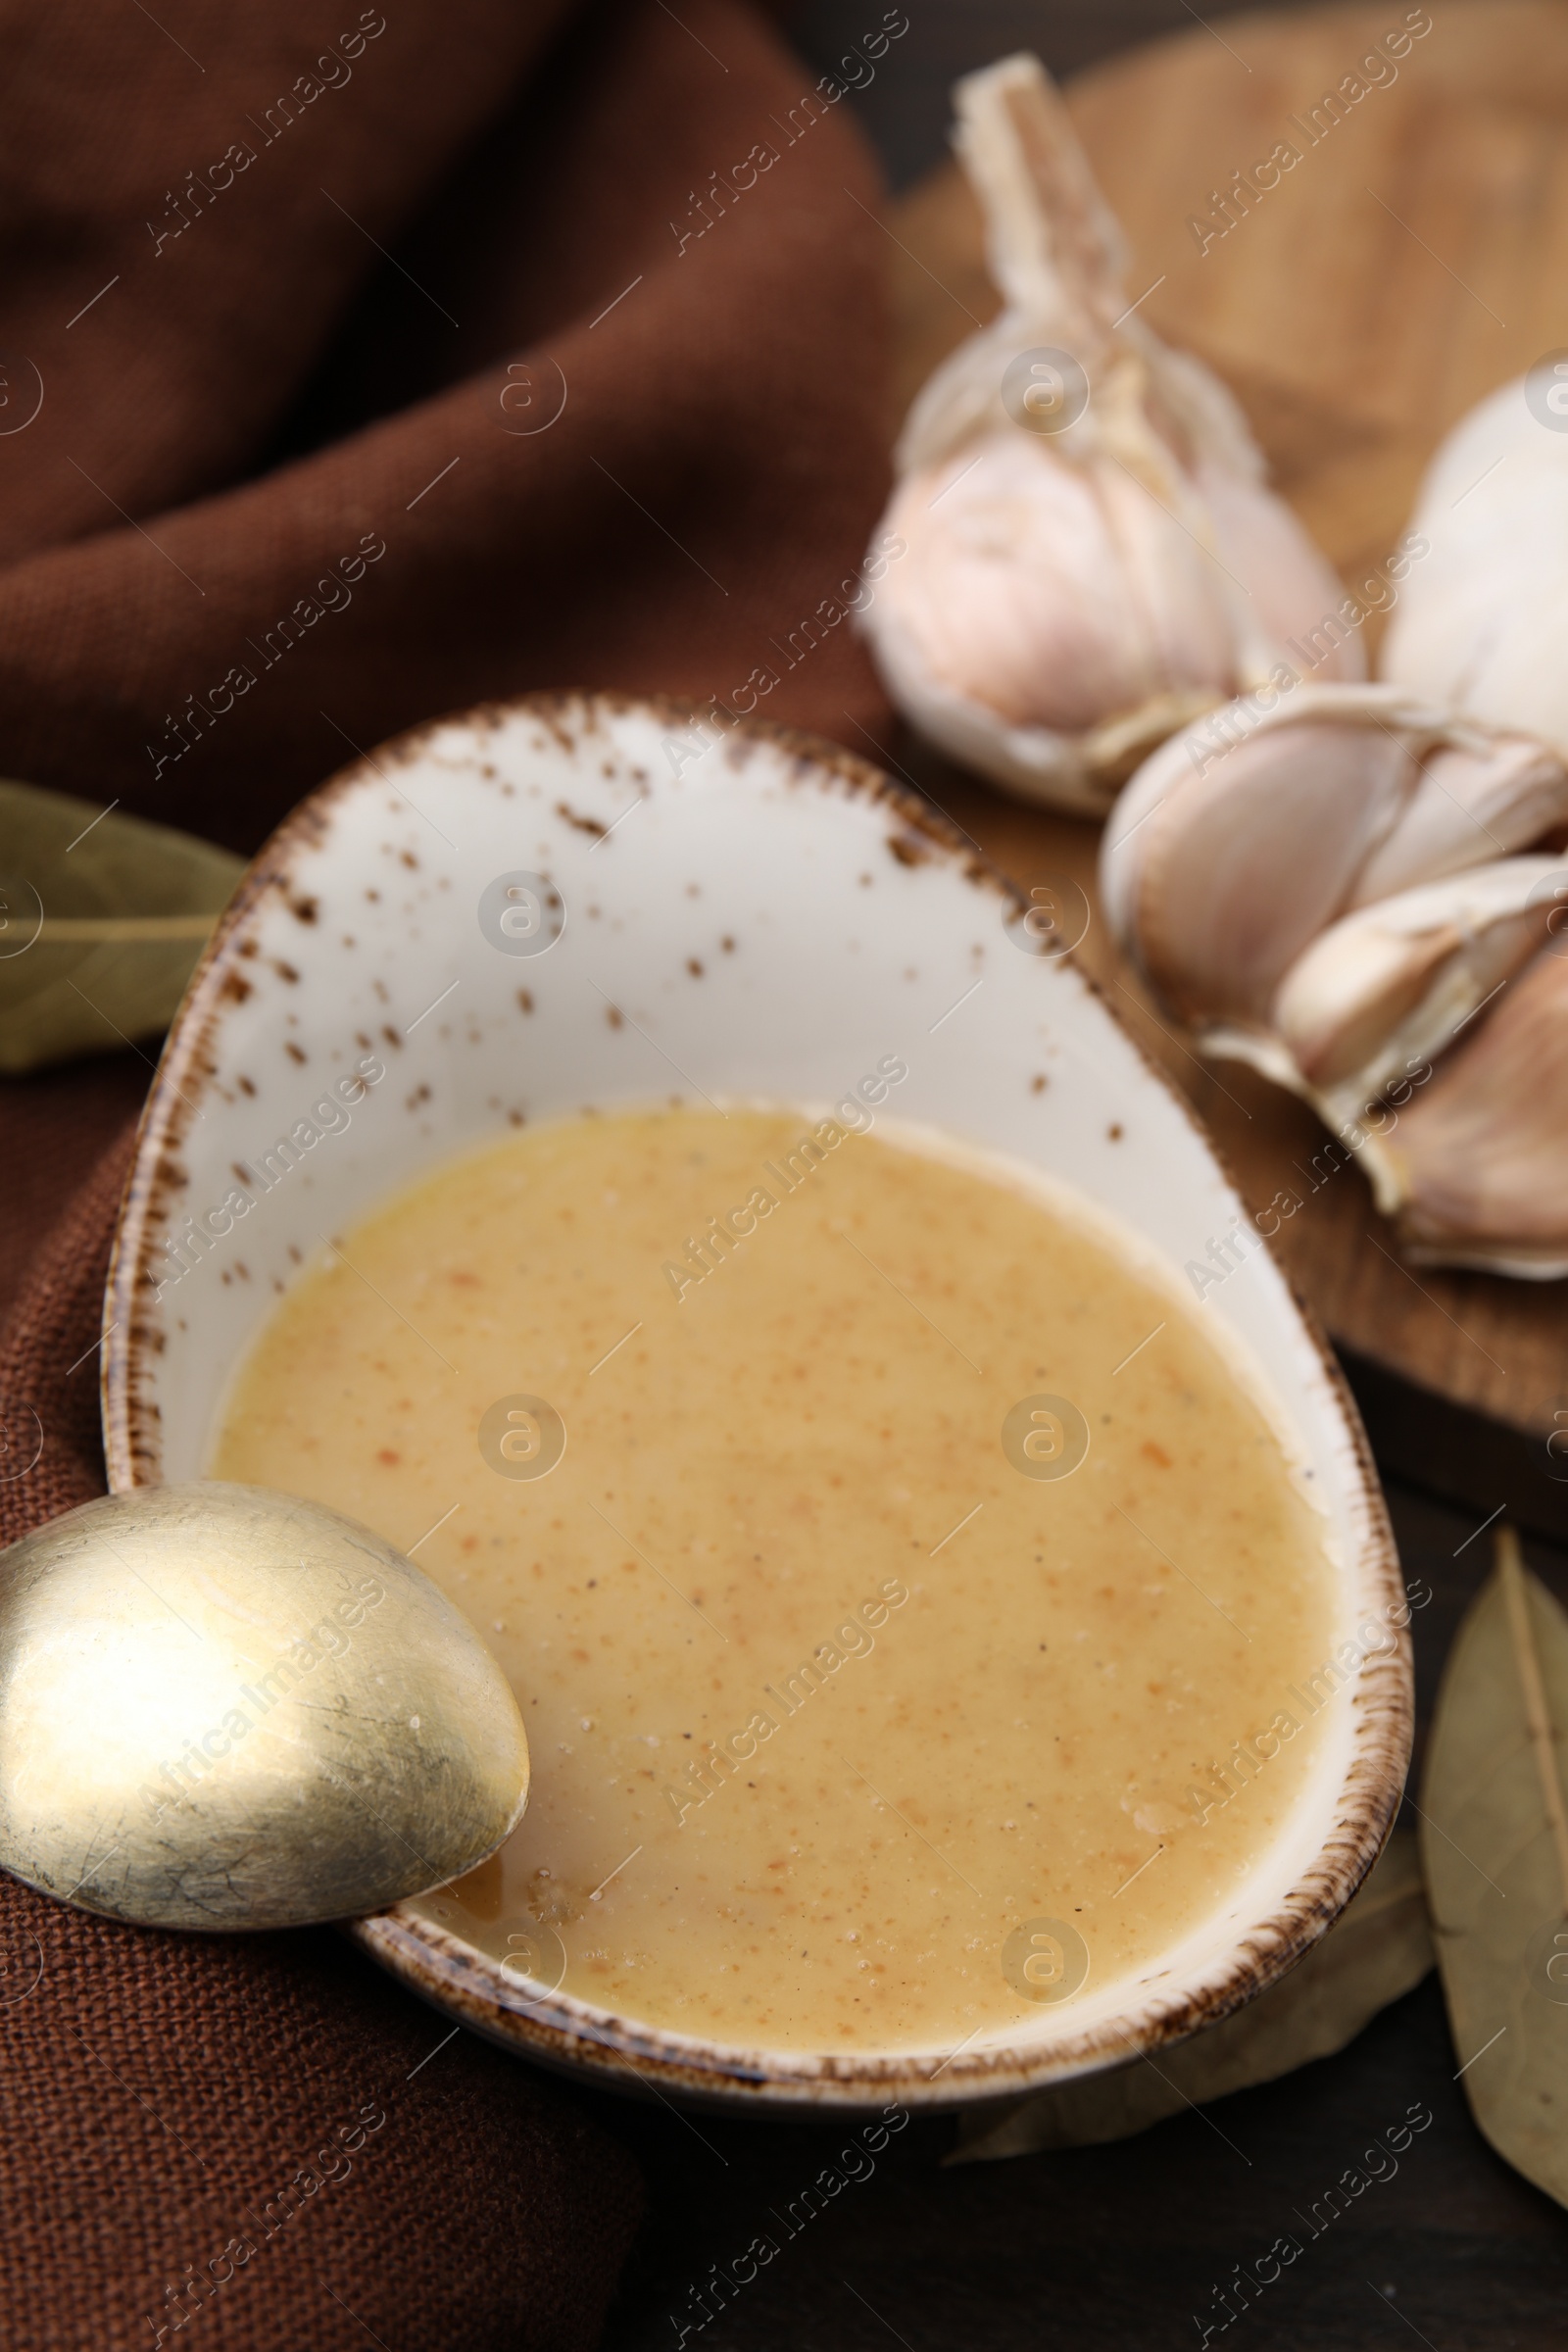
[{"x": 1414, "y": 259}]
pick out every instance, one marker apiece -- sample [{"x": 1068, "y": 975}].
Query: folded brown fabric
[
  {"x": 258, "y": 2138},
  {"x": 365, "y": 364},
  {"x": 55, "y": 1126}
]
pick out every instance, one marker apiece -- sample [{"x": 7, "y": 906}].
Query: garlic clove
[
  {"x": 1223, "y": 861},
  {"x": 1480, "y": 625},
  {"x": 1384, "y": 991},
  {"x": 1475, "y": 1162},
  {"x": 1262, "y": 821},
  {"x": 1069, "y": 594},
  {"x": 1489, "y": 796}
]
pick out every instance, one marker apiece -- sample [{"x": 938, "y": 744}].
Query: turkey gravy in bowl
[
  {"x": 665, "y": 1181},
  {"x": 908, "y": 1600}
]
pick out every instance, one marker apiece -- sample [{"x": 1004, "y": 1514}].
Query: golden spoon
[{"x": 222, "y": 1707}]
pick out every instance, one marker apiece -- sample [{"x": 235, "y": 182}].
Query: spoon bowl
[{"x": 222, "y": 1707}]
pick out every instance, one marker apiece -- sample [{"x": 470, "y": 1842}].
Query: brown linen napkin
[
  {"x": 598, "y": 401},
  {"x": 261, "y": 2139}
]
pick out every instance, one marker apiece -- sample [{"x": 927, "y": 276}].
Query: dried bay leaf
[
  {"x": 102, "y": 918},
  {"x": 1379, "y": 1949},
  {"x": 1495, "y": 1843}
]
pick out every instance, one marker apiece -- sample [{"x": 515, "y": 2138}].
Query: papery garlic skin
[
  {"x": 1014, "y": 548},
  {"x": 1476, "y": 1162},
  {"x": 1478, "y": 797},
  {"x": 1058, "y": 593},
  {"x": 1069, "y": 596},
  {"x": 1257, "y": 857},
  {"x": 1291, "y": 585},
  {"x": 1239, "y": 838},
  {"x": 1254, "y": 870},
  {"x": 1483, "y": 623},
  {"x": 1390, "y": 988}
]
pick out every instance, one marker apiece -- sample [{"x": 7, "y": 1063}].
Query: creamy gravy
[{"x": 832, "y": 1689}]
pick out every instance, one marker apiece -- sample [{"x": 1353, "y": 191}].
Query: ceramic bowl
[{"x": 372, "y": 924}]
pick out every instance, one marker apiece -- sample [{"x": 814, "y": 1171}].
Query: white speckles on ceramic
[{"x": 764, "y": 916}]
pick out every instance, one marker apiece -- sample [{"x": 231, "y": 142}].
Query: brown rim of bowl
[{"x": 561, "y": 2030}]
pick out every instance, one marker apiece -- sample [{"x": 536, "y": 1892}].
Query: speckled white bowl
[{"x": 758, "y": 914}]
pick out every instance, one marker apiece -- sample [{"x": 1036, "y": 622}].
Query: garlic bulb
[
  {"x": 1249, "y": 833},
  {"x": 1483, "y": 625},
  {"x": 1092, "y": 554},
  {"x": 1476, "y": 1160}
]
